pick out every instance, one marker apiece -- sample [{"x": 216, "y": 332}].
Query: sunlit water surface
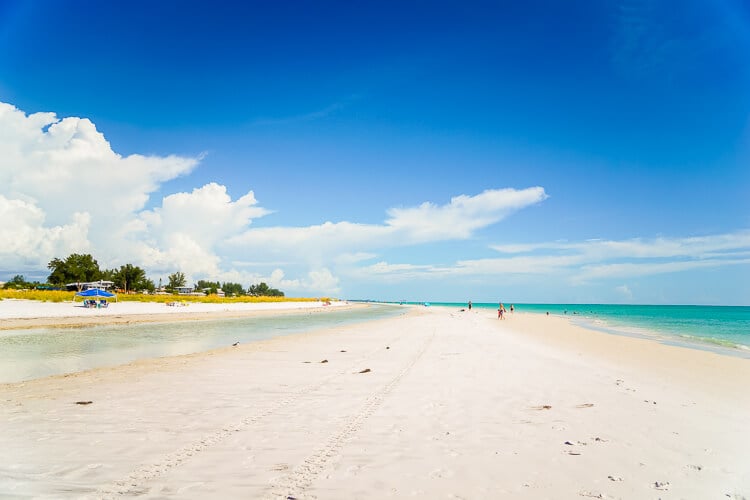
[{"x": 36, "y": 353}]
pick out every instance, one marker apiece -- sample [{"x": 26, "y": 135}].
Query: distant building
[
  {"x": 184, "y": 290},
  {"x": 100, "y": 285}
]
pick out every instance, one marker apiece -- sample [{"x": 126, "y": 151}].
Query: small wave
[
  {"x": 714, "y": 341},
  {"x": 722, "y": 346}
]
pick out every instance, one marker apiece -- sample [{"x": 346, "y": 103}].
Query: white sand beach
[
  {"x": 436, "y": 403},
  {"x": 16, "y": 313}
]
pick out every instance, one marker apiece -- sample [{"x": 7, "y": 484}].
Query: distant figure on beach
[
  {"x": 511, "y": 308},
  {"x": 500, "y": 311},
  {"x": 469, "y": 305}
]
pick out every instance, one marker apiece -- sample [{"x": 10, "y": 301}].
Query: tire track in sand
[
  {"x": 135, "y": 482},
  {"x": 295, "y": 483}
]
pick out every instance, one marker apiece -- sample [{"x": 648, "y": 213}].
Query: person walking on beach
[
  {"x": 500, "y": 311},
  {"x": 469, "y": 305},
  {"x": 511, "y": 308}
]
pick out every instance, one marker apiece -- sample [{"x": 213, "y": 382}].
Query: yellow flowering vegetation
[
  {"x": 43, "y": 295},
  {"x": 58, "y": 296}
]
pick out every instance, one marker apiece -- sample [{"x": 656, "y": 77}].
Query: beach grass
[
  {"x": 60, "y": 296},
  {"x": 41, "y": 295}
]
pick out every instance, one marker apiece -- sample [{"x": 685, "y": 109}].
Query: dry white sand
[
  {"x": 454, "y": 405},
  {"x": 18, "y": 313}
]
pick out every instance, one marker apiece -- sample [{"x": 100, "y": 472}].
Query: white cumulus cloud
[
  {"x": 27, "y": 240},
  {"x": 188, "y": 227},
  {"x": 63, "y": 189},
  {"x": 66, "y": 190}
]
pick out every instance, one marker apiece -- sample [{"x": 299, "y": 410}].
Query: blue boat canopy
[{"x": 95, "y": 292}]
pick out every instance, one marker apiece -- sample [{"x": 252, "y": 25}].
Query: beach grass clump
[
  {"x": 61, "y": 296},
  {"x": 41, "y": 295},
  {"x": 207, "y": 299}
]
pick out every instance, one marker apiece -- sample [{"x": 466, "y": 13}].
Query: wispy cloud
[
  {"x": 625, "y": 291},
  {"x": 595, "y": 259},
  {"x": 653, "y": 39},
  {"x": 729, "y": 244},
  {"x": 308, "y": 116},
  {"x": 463, "y": 215},
  {"x": 458, "y": 219},
  {"x": 633, "y": 269},
  {"x": 592, "y": 260}
]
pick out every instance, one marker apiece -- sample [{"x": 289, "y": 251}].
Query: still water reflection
[{"x": 30, "y": 354}]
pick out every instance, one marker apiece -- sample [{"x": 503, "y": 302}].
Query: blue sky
[{"x": 524, "y": 152}]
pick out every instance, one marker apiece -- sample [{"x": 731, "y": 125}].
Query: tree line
[{"x": 83, "y": 268}]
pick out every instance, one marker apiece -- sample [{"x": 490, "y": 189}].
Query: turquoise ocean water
[
  {"x": 721, "y": 328},
  {"x": 36, "y": 353}
]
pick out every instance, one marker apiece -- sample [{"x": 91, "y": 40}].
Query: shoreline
[
  {"x": 150, "y": 365},
  {"x": 432, "y": 403},
  {"x": 638, "y": 352},
  {"x": 721, "y": 348},
  {"x": 623, "y": 325},
  {"x": 88, "y": 343}
]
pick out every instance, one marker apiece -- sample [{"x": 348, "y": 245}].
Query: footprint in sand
[
  {"x": 659, "y": 485},
  {"x": 590, "y": 494},
  {"x": 440, "y": 473},
  {"x": 619, "y": 382}
]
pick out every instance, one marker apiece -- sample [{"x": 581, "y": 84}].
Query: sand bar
[
  {"x": 436, "y": 403},
  {"x": 20, "y": 314}
]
